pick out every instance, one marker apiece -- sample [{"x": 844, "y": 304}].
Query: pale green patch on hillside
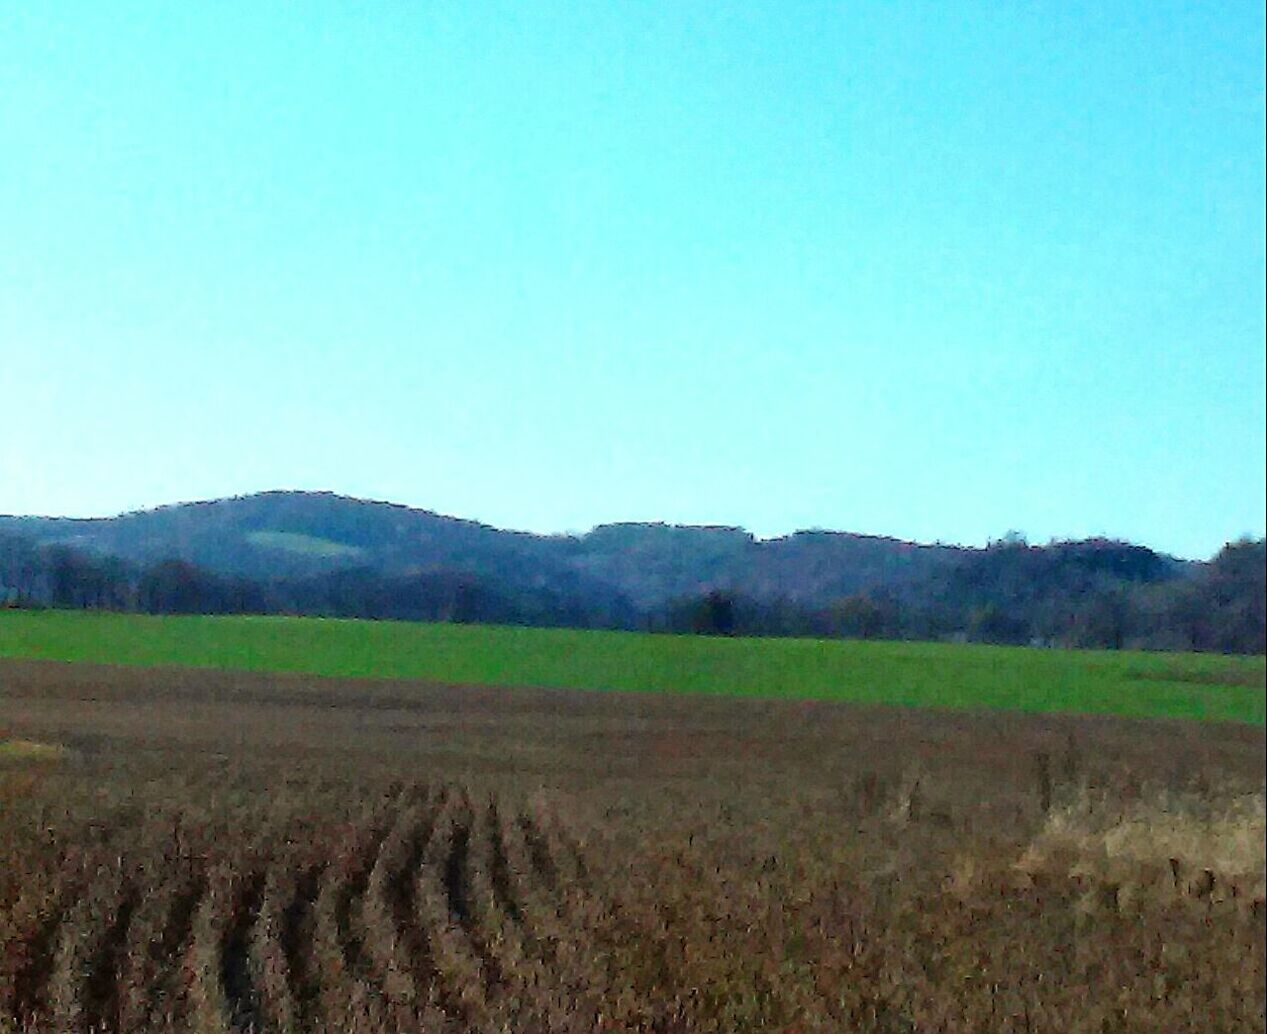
[
  {"x": 304, "y": 545},
  {"x": 30, "y": 750}
]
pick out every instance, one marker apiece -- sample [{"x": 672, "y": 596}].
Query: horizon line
[{"x": 814, "y": 530}]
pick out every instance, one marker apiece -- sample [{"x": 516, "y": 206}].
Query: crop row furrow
[
  {"x": 172, "y": 870},
  {"x": 388, "y": 963},
  {"x": 344, "y": 991},
  {"x": 297, "y": 922},
  {"x": 82, "y": 963},
  {"x": 560, "y": 964},
  {"x": 236, "y": 972},
  {"x": 208, "y": 1004},
  {"x": 268, "y": 962},
  {"x": 34, "y": 931},
  {"x": 440, "y": 915}
]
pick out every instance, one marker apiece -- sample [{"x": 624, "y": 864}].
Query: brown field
[{"x": 211, "y": 851}]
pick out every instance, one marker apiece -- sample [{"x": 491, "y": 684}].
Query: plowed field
[{"x": 210, "y": 851}]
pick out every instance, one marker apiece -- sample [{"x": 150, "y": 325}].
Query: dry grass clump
[{"x": 1198, "y": 845}]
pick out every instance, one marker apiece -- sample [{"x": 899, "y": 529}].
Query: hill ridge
[{"x": 319, "y": 551}]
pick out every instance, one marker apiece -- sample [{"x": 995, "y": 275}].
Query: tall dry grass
[{"x": 1206, "y": 846}]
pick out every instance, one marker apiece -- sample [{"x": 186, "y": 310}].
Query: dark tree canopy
[{"x": 1095, "y": 593}]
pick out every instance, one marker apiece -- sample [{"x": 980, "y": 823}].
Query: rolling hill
[
  {"x": 303, "y": 534},
  {"x": 325, "y": 554}
]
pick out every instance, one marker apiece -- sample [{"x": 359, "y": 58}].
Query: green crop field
[{"x": 913, "y": 674}]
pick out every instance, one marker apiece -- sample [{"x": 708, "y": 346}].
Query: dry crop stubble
[{"x": 537, "y": 861}]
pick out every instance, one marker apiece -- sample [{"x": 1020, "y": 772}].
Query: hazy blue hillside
[
  {"x": 274, "y": 533},
  {"x": 319, "y": 553},
  {"x": 297, "y": 534},
  {"x": 816, "y": 566}
]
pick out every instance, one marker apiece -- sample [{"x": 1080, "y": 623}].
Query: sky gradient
[{"x": 935, "y": 271}]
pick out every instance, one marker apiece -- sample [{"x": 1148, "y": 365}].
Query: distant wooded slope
[{"x": 321, "y": 553}]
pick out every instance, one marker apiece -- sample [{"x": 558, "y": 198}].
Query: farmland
[
  {"x": 192, "y": 849},
  {"x": 1133, "y": 684}
]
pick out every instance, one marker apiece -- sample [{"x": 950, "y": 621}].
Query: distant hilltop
[
  {"x": 289, "y": 533},
  {"x": 319, "y": 552}
]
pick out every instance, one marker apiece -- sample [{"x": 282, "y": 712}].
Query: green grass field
[{"x": 915, "y": 674}]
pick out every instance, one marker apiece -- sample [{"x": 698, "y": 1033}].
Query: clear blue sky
[{"x": 936, "y": 271}]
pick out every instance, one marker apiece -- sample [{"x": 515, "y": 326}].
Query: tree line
[
  {"x": 1097, "y": 594},
  {"x": 1089, "y": 595},
  {"x": 61, "y": 576}
]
